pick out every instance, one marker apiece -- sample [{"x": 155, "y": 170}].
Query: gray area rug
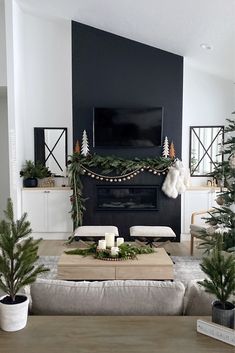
[{"x": 186, "y": 268}]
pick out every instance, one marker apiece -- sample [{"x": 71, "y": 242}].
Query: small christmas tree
[
  {"x": 172, "y": 150},
  {"x": 220, "y": 271},
  {"x": 85, "y": 144},
  {"x": 165, "y": 151},
  {"x": 18, "y": 254},
  {"x": 222, "y": 219},
  {"x": 77, "y": 147}
]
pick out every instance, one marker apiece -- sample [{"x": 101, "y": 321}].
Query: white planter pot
[{"x": 13, "y": 317}]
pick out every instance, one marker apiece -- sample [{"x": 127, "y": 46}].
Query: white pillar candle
[
  {"x": 114, "y": 250},
  {"x": 109, "y": 237},
  {"x": 102, "y": 244},
  {"x": 120, "y": 241}
]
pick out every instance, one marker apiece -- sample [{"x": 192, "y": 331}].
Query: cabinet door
[
  {"x": 195, "y": 201},
  {"x": 58, "y": 216},
  {"x": 34, "y": 204}
]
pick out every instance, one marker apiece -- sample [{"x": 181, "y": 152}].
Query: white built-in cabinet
[
  {"x": 193, "y": 200},
  {"x": 48, "y": 211}
]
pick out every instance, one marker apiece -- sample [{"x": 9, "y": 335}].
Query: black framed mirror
[
  {"x": 205, "y": 149},
  {"x": 50, "y": 148}
]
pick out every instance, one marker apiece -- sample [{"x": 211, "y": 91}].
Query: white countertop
[
  {"x": 38, "y": 188},
  {"x": 209, "y": 188}
]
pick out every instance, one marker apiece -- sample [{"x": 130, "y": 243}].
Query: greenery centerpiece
[
  {"x": 32, "y": 171},
  {"x": 18, "y": 255},
  {"x": 126, "y": 251}
]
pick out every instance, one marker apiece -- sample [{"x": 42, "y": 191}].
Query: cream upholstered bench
[
  {"x": 94, "y": 232},
  {"x": 151, "y": 234}
]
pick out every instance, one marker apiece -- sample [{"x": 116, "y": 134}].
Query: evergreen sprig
[
  {"x": 18, "y": 254},
  {"x": 34, "y": 170}
]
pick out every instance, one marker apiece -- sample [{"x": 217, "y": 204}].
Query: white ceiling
[{"x": 178, "y": 26}]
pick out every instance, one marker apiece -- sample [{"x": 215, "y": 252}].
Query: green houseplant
[
  {"x": 220, "y": 270},
  {"x": 32, "y": 171},
  {"x": 18, "y": 254}
]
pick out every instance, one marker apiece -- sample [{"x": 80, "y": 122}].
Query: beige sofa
[{"x": 56, "y": 297}]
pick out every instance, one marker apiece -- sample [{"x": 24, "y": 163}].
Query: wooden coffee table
[{"x": 157, "y": 266}]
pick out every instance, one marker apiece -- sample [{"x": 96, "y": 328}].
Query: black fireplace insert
[{"x": 127, "y": 198}]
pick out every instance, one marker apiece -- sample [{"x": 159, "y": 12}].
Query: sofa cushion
[
  {"x": 56, "y": 297},
  {"x": 197, "y": 302},
  {"x": 197, "y": 230}
]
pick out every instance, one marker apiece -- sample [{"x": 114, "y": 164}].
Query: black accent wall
[{"x": 111, "y": 71}]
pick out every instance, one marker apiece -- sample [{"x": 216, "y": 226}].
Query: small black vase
[
  {"x": 30, "y": 183},
  {"x": 221, "y": 316}
]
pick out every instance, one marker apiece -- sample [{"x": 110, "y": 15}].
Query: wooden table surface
[
  {"x": 110, "y": 334},
  {"x": 157, "y": 265}
]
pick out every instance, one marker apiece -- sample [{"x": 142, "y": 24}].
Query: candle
[
  {"x": 120, "y": 241},
  {"x": 114, "y": 250},
  {"x": 109, "y": 237},
  {"x": 102, "y": 244}
]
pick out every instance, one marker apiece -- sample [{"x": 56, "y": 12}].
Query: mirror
[
  {"x": 205, "y": 149},
  {"x": 50, "y": 148}
]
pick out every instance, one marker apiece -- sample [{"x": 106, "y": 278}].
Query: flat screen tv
[{"x": 127, "y": 127}]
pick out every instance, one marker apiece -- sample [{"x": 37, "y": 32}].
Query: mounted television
[{"x": 127, "y": 127}]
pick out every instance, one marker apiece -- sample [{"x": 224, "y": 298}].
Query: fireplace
[{"x": 127, "y": 198}]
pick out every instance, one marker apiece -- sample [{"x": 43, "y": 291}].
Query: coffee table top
[
  {"x": 105, "y": 334},
  {"x": 159, "y": 258}
]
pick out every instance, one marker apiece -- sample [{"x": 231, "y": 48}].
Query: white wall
[
  {"x": 39, "y": 84},
  {"x": 15, "y": 96},
  {"x": 207, "y": 100},
  {"x": 47, "y": 77},
  {"x": 3, "y": 67},
  {"x": 4, "y": 154}
]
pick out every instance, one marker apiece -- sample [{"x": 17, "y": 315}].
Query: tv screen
[{"x": 122, "y": 127}]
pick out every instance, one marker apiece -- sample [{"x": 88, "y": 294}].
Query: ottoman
[{"x": 151, "y": 234}]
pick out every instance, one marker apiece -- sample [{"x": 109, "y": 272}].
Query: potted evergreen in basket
[
  {"x": 220, "y": 270},
  {"x": 18, "y": 254},
  {"x": 31, "y": 172}
]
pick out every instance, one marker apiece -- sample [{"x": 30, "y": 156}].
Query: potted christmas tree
[
  {"x": 18, "y": 254},
  {"x": 220, "y": 270}
]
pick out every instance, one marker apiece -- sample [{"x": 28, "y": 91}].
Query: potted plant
[
  {"x": 220, "y": 270},
  {"x": 18, "y": 254},
  {"x": 32, "y": 171}
]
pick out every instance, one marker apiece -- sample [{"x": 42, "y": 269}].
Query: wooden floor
[{"x": 56, "y": 248}]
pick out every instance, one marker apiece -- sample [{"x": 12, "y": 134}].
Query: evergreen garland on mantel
[{"x": 110, "y": 169}]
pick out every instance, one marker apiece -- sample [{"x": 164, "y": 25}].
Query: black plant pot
[
  {"x": 223, "y": 316},
  {"x": 30, "y": 183}
]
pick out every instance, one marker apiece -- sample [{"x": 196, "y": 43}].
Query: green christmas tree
[
  {"x": 222, "y": 219},
  {"x": 18, "y": 254}
]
